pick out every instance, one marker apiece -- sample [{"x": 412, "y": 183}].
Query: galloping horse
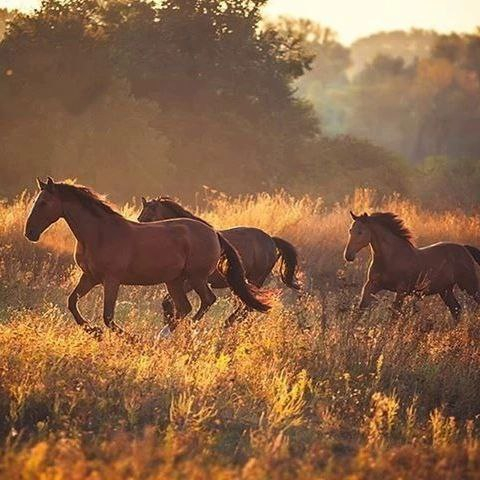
[
  {"x": 258, "y": 250},
  {"x": 114, "y": 251},
  {"x": 398, "y": 266}
]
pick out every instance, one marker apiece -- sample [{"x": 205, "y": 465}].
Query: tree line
[
  {"x": 414, "y": 93},
  {"x": 145, "y": 98}
]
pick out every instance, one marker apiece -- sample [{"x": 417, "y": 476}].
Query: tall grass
[{"x": 310, "y": 390}]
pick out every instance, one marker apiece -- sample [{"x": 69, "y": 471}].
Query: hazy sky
[{"x": 352, "y": 19}]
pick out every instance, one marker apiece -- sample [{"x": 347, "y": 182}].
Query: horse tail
[
  {"x": 235, "y": 274},
  {"x": 474, "y": 252},
  {"x": 289, "y": 256}
]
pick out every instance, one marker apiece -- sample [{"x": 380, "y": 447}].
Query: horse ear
[
  {"x": 49, "y": 186},
  {"x": 354, "y": 217},
  {"x": 144, "y": 201},
  {"x": 365, "y": 215},
  {"x": 41, "y": 185}
]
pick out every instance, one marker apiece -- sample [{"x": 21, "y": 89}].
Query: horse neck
[
  {"x": 84, "y": 224},
  {"x": 170, "y": 213},
  {"x": 385, "y": 245}
]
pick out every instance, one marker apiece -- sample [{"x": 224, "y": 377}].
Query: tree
[
  {"x": 5, "y": 16},
  {"x": 221, "y": 88},
  {"x": 327, "y": 72}
]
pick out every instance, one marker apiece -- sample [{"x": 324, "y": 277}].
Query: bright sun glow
[{"x": 352, "y": 19}]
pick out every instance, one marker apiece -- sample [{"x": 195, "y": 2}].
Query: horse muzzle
[
  {"x": 349, "y": 257},
  {"x": 32, "y": 234}
]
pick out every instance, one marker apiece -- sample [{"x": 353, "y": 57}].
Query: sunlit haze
[{"x": 352, "y": 19}]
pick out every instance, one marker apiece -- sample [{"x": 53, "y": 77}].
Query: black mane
[
  {"x": 178, "y": 210},
  {"x": 392, "y": 223},
  {"x": 91, "y": 200}
]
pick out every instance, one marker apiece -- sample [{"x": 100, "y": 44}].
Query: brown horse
[
  {"x": 258, "y": 250},
  {"x": 114, "y": 251},
  {"x": 398, "y": 266}
]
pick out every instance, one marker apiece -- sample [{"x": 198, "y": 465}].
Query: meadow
[{"x": 311, "y": 390}]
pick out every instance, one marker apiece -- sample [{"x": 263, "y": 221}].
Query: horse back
[
  {"x": 451, "y": 263},
  {"x": 256, "y": 249},
  {"x": 184, "y": 232},
  {"x": 444, "y": 251},
  {"x": 184, "y": 236}
]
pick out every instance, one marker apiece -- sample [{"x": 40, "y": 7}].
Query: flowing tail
[
  {"x": 474, "y": 252},
  {"x": 235, "y": 275},
  {"x": 289, "y": 257}
]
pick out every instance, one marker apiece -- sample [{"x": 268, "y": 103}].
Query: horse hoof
[
  {"x": 96, "y": 332},
  {"x": 164, "y": 333},
  {"x": 131, "y": 338}
]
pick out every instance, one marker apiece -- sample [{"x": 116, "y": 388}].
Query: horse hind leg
[
  {"x": 207, "y": 297},
  {"x": 452, "y": 303},
  {"x": 241, "y": 312},
  {"x": 260, "y": 279},
  {"x": 475, "y": 294},
  {"x": 176, "y": 290},
  {"x": 168, "y": 308},
  {"x": 470, "y": 282}
]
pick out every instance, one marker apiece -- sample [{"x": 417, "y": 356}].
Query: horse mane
[
  {"x": 178, "y": 210},
  {"x": 392, "y": 222},
  {"x": 87, "y": 197}
]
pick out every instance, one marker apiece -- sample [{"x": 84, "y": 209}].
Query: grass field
[{"x": 308, "y": 391}]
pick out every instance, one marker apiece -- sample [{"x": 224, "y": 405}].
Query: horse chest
[
  {"x": 393, "y": 278},
  {"x": 86, "y": 261},
  {"x": 388, "y": 281}
]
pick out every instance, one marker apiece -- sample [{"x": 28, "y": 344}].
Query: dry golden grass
[{"x": 307, "y": 391}]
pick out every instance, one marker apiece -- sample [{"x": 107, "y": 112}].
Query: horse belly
[
  {"x": 389, "y": 285},
  {"x": 435, "y": 280},
  {"x": 434, "y": 286},
  {"x": 154, "y": 270}
]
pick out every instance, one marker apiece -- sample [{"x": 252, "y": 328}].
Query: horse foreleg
[
  {"x": 398, "y": 302},
  {"x": 84, "y": 285},
  {"x": 452, "y": 303},
  {"x": 110, "y": 294},
  {"x": 368, "y": 292}
]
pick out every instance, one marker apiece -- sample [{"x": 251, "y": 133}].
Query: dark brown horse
[
  {"x": 258, "y": 250},
  {"x": 398, "y": 266},
  {"x": 114, "y": 251}
]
